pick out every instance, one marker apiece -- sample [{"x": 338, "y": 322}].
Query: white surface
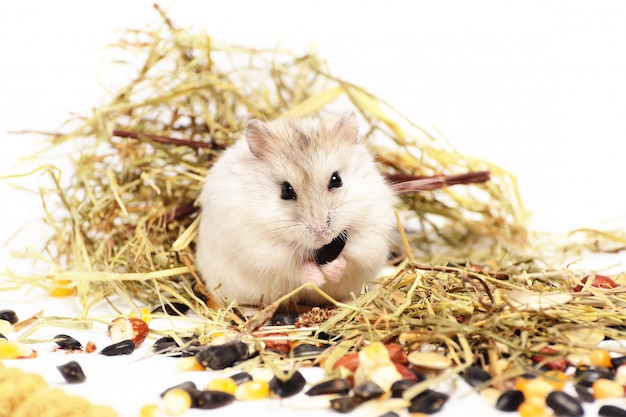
[{"x": 537, "y": 87}]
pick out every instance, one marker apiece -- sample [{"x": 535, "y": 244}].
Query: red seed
[
  {"x": 396, "y": 353},
  {"x": 557, "y": 364},
  {"x": 599, "y": 281},
  {"x": 349, "y": 361},
  {"x": 131, "y": 328}
]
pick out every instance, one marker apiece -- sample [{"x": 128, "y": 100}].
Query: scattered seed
[
  {"x": 188, "y": 386},
  {"x": 368, "y": 391},
  {"x": 252, "y": 390},
  {"x": 600, "y": 357},
  {"x": 177, "y": 401},
  {"x": 333, "y": 386},
  {"x": 618, "y": 361},
  {"x": 66, "y": 342},
  {"x": 476, "y": 375},
  {"x": 606, "y": 388},
  {"x": 345, "y": 404},
  {"x": 72, "y": 372},
  {"x": 586, "y": 376},
  {"x": 430, "y": 360},
  {"x": 564, "y": 404},
  {"x": 284, "y": 319},
  {"x": 289, "y": 387},
  {"x": 611, "y": 411},
  {"x": 241, "y": 377},
  {"x": 307, "y": 349},
  {"x": 222, "y": 356},
  {"x": 222, "y": 384},
  {"x": 398, "y": 387},
  {"x": 172, "y": 309},
  {"x": 428, "y": 402},
  {"x": 168, "y": 345},
  {"x": 390, "y": 414},
  {"x": 510, "y": 400},
  {"x": 9, "y": 315},
  {"x": 210, "y": 399},
  {"x": 583, "y": 393},
  {"x": 125, "y": 347}
]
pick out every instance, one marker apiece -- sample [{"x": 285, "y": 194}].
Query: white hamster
[{"x": 294, "y": 201}]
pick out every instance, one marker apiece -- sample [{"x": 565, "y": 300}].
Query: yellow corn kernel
[
  {"x": 146, "y": 314},
  {"x": 252, "y": 390},
  {"x": 600, "y": 357},
  {"x": 605, "y": 388},
  {"x": 176, "y": 401},
  {"x": 536, "y": 390},
  {"x": 62, "y": 288},
  {"x": 222, "y": 384},
  {"x": 151, "y": 410},
  {"x": 14, "y": 350},
  {"x": 557, "y": 379},
  {"x": 189, "y": 364},
  {"x": 530, "y": 409}
]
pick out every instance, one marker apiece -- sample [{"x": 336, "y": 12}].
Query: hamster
[{"x": 294, "y": 201}]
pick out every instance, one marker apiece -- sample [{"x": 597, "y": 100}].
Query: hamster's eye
[
  {"x": 335, "y": 181},
  {"x": 287, "y": 192}
]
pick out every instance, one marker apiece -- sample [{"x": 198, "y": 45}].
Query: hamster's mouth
[{"x": 330, "y": 252}]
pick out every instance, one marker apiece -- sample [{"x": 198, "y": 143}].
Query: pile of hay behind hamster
[{"x": 126, "y": 222}]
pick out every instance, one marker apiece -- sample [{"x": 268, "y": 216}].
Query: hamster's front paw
[
  {"x": 313, "y": 274},
  {"x": 334, "y": 269}
]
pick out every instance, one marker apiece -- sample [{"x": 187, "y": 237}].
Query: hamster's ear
[
  {"x": 258, "y": 136},
  {"x": 347, "y": 127}
]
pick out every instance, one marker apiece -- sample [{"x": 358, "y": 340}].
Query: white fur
[{"x": 254, "y": 247}]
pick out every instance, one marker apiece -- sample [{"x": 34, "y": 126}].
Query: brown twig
[
  {"x": 167, "y": 139},
  {"x": 405, "y": 183}
]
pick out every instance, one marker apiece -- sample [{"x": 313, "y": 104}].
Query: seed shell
[
  {"x": 9, "y": 315},
  {"x": 333, "y": 386},
  {"x": 209, "y": 399},
  {"x": 611, "y": 411},
  {"x": 66, "y": 342},
  {"x": 345, "y": 404},
  {"x": 510, "y": 400},
  {"x": 72, "y": 372},
  {"x": 428, "y": 402},
  {"x": 125, "y": 347},
  {"x": 289, "y": 387},
  {"x": 222, "y": 356},
  {"x": 564, "y": 404}
]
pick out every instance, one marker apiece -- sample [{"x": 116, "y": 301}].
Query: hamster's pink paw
[
  {"x": 333, "y": 270},
  {"x": 313, "y": 274}
]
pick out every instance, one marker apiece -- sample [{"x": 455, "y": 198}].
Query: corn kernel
[
  {"x": 605, "y": 388},
  {"x": 146, "y": 314},
  {"x": 14, "y": 350},
  {"x": 151, "y": 410},
  {"x": 223, "y": 384},
  {"x": 600, "y": 357},
  {"x": 62, "y": 288},
  {"x": 189, "y": 364},
  {"x": 176, "y": 401},
  {"x": 530, "y": 409},
  {"x": 536, "y": 390},
  {"x": 252, "y": 390},
  {"x": 557, "y": 379}
]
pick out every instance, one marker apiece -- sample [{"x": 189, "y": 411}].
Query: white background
[{"x": 536, "y": 87}]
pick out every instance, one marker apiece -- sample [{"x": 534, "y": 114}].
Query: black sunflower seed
[
  {"x": 368, "y": 391},
  {"x": 241, "y": 377},
  {"x": 284, "y": 319},
  {"x": 222, "y": 356},
  {"x": 306, "y": 349},
  {"x": 333, "y": 386},
  {"x": 586, "y": 376},
  {"x": 510, "y": 400},
  {"x": 611, "y": 411},
  {"x": 398, "y": 387},
  {"x": 9, "y": 315},
  {"x": 209, "y": 399},
  {"x": 428, "y": 402},
  {"x": 475, "y": 376},
  {"x": 583, "y": 393},
  {"x": 72, "y": 372},
  {"x": 67, "y": 342},
  {"x": 618, "y": 361},
  {"x": 331, "y": 251},
  {"x": 125, "y": 347},
  {"x": 390, "y": 414},
  {"x": 564, "y": 404},
  {"x": 289, "y": 387},
  {"x": 168, "y": 345},
  {"x": 187, "y": 386},
  {"x": 172, "y": 309},
  {"x": 345, "y": 404}
]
